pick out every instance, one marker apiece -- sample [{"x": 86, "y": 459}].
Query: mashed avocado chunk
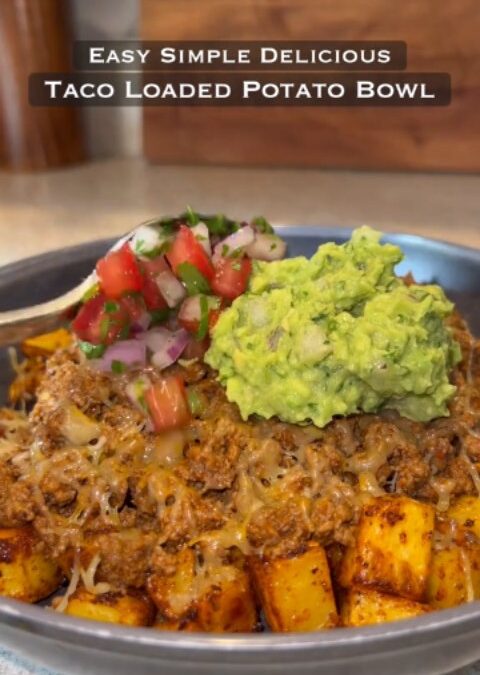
[{"x": 335, "y": 335}]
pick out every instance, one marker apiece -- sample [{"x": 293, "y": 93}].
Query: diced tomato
[
  {"x": 135, "y": 305},
  {"x": 155, "y": 265},
  {"x": 231, "y": 277},
  {"x": 101, "y": 321},
  {"x": 167, "y": 403},
  {"x": 150, "y": 291},
  {"x": 186, "y": 248},
  {"x": 119, "y": 273}
]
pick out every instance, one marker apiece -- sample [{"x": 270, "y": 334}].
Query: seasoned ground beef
[{"x": 98, "y": 485}]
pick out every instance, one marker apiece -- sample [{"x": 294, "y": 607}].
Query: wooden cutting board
[{"x": 442, "y": 35}]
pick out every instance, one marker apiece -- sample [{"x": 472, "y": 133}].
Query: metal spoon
[{"x": 18, "y": 324}]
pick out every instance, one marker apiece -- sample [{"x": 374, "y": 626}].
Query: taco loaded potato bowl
[{"x": 275, "y": 469}]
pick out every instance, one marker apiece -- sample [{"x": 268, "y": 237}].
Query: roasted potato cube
[
  {"x": 454, "y": 576},
  {"x": 296, "y": 593},
  {"x": 466, "y": 512},
  {"x": 131, "y": 609},
  {"x": 364, "y": 606},
  {"x": 25, "y": 571},
  {"x": 393, "y": 547},
  {"x": 217, "y": 600},
  {"x": 47, "y": 343},
  {"x": 228, "y": 606},
  {"x": 27, "y": 380}
]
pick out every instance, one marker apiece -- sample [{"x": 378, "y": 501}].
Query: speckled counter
[{"x": 50, "y": 210}]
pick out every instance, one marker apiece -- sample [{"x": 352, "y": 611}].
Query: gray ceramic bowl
[{"x": 436, "y": 643}]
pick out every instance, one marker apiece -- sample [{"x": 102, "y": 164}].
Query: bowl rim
[{"x": 434, "y": 626}]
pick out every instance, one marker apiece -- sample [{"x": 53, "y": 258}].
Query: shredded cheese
[
  {"x": 72, "y": 587},
  {"x": 88, "y": 577}
]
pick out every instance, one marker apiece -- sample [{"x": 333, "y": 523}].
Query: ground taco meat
[{"x": 100, "y": 488}]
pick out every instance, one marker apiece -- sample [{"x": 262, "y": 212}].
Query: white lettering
[
  {"x": 96, "y": 54},
  {"x": 167, "y": 55},
  {"x": 53, "y": 84},
  {"x": 268, "y": 55},
  {"x": 365, "y": 89},
  {"x": 384, "y": 56}
]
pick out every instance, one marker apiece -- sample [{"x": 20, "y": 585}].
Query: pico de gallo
[{"x": 158, "y": 295}]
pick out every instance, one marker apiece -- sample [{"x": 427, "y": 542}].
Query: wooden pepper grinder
[{"x": 35, "y": 37}]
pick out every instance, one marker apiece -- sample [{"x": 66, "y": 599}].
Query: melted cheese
[
  {"x": 72, "y": 587},
  {"x": 88, "y": 577}
]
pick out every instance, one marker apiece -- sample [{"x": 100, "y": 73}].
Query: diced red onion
[
  {"x": 202, "y": 235},
  {"x": 141, "y": 323},
  {"x": 145, "y": 239},
  {"x": 239, "y": 239},
  {"x": 129, "y": 352},
  {"x": 190, "y": 309},
  {"x": 166, "y": 346},
  {"x": 156, "y": 338},
  {"x": 266, "y": 247},
  {"x": 171, "y": 288},
  {"x": 179, "y": 342}
]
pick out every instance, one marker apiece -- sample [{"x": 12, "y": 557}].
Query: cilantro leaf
[{"x": 194, "y": 280}]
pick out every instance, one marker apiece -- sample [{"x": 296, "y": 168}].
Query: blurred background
[{"x": 68, "y": 176}]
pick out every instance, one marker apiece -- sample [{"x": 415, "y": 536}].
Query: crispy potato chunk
[
  {"x": 130, "y": 609},
  {"x": 229, "y": 606},
  {"x": 27, "y": 380},
  {"x": 466, "y": 512},
  {"x": 25, "y": 572},
  {"x": 454, "y": 576},
  {"x": 219, "y": 600},
  {"x": 296, "y": 593},
  {"x": 47, "y": 343},
  {"x": 393, "y": 548},
  {"x": 364, "y": 606}
]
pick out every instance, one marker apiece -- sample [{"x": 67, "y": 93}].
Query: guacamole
[{"x": 334, "y": 335}]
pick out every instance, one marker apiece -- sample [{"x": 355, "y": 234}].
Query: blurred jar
[{"x": 35, "y": 36}]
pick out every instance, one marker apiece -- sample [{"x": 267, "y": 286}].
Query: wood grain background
[
  {"x": 442, "y": 35},
  {"x": 35, "y": 36}
]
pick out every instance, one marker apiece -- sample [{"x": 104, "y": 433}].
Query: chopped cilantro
[
  {"x": 203, "y": 325},
  {"x": 90, "y": 350},
  {"x": 191, "y": 217},
  {"x": 161, "y": 249},
  {"x": 118, "y": 367},
  {"x": 140, "y": 246},
  {"x": 159, "y": 315},
  {"x": 196, "y": 402},
  {"x": 111, "y": 307},
  {"x": 124, "y": 332},
  {"x": 261, "y": 224},
  {"x": 104, "y": 327},
  {"x": 194, "y": 280}
]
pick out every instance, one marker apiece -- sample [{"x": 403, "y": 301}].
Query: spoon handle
[{"x": 18, "y": 324}]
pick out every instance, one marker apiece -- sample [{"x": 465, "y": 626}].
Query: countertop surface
[{"x": 44, "y": 211}]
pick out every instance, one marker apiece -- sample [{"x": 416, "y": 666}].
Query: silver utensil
[{"x": 18, "y": 324}]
